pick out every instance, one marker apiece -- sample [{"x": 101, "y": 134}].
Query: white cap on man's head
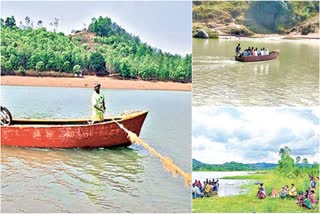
[{"x": 96, "y": 84}]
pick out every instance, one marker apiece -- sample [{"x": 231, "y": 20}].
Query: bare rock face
[{"x": 202, "y": 34}]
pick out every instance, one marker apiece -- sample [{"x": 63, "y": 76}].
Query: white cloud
[{"x": 253, "y": 134}]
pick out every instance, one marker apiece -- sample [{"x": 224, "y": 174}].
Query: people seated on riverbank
[
  {"x": 215, "y": 187},
  {"x": 299, "y": 200},
  {"x": 306, "y": 202},
  {"x": 207, "y": 190},
  {"x": 262, "y": 192},
  {"x": 293, "y": 191},
  {"x": 196, "y": 192},
  {"x": 311, "y": 197},
  {"x": 313, "y": 184},
  {"x": 199, "y": 185},
  {"x": 283, "y": 192},
  {"x": 218, "y": 183},
  {"x": 274, "y": 193}
]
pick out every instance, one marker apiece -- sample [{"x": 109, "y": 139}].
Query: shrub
[
  {"x": 40, "y": 66},
  {"x": 307, "y": 29},
  {"x": 22, "y": 72},
  {"x": 76, "y": 69}
]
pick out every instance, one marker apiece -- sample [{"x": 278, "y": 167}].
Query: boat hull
[
  {"x": 104, "y": 134},
  {"x": 271, "y": 56}
]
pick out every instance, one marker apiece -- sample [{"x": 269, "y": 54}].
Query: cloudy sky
[
  {"x": 250, "y": 135},
  {"x": 162, "y": 24}
]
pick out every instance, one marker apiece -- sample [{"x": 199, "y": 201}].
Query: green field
[{"x": 250, "y": 203}]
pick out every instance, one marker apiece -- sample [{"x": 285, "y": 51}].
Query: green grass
[{"x": 250, "y": 203}]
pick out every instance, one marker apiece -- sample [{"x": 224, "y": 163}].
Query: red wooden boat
[
  {"x": 71, "y": 133},
  {"x": 272, "y": 55}
]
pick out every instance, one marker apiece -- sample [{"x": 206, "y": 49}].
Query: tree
[
  {"x": 27, "y": 19},
  {"x": 286, "y": 163},
  {"x": 97, "y": 62},
  {"x": 39, "y": 24},
  {"x": 305, "y": 161},
  {"x": 10, "y": 22},
  {"x": 298, "y": 158}
]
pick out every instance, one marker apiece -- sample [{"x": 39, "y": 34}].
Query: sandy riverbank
[{"x": 88, "y": 81}]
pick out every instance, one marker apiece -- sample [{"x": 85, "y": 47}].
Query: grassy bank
[{"x": 250, "y": 203}]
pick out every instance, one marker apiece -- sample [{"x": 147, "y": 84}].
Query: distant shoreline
[
  {"x": 88, "y": 81},
  {"x": 272, "y": 37}
]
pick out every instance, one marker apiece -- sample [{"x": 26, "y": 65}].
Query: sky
[
  {"x": 162, "y": 24},
  {"x": 251, "y": 135}
]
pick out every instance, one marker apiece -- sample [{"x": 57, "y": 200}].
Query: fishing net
[{"x": 167, "y": 163}]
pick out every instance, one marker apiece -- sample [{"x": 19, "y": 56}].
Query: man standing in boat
[
  {"x": 98, "y": 104},
  {"x": 238, "y": 49}
]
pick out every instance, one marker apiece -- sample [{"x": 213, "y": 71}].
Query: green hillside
[
  {"x": 105, "y": 48},
  {"x": 253, "y": 17}
]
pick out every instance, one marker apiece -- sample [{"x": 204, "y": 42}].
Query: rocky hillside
[{"x": 255, "y": 18}]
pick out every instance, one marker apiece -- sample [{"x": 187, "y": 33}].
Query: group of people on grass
[
  {"x": 205, "y": 189},
  {"x": 251, "y": 51},
  {"x": 304, "y": 199}
]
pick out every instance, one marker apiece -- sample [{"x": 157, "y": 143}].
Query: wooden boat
[
  {"x": 272, "y": 55},
  {"x": 72, "y": 133}
]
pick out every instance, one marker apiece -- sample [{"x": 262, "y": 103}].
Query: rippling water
[
  {"x": 99, "y": 180},
  {"x": 291, "y": 80}
]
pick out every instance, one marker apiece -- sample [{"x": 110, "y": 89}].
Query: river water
[
  {"x": 99, "y": 180},
  {"x": 291, "y": 80},
  {"x": 227, "y": 187}
]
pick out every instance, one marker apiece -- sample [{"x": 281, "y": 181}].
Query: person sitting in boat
[
  {"x": 252, "y": 51},
  {"x": 238, "y": 49},
  {"x": 293, "y": 191},
  {"x": 266, "y": 51},
  {"x": 98, "y": 103},
  {"x": 255, "y": 53},
  {"x": 262, "y": 52}
]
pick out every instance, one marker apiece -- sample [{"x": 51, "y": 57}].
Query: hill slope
[
  {"x": 249, "y": 18},
  {"x": 104, "y": 48}
]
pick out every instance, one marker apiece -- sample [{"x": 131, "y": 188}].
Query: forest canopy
[{"x": 104, "y": 47}]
